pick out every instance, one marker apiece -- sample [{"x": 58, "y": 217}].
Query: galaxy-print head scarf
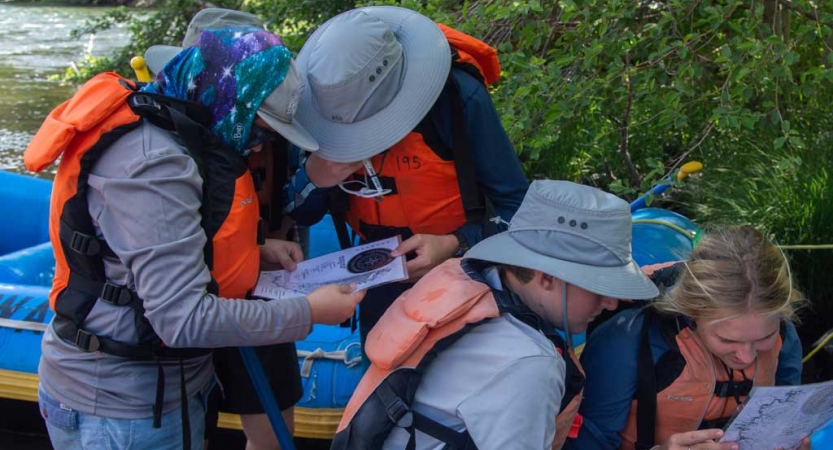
[{"x": 230, "y": 71}]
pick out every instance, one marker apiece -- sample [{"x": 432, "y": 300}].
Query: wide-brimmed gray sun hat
[
  {"x": 373, "y": 74},
  {"x": 578, "y": 234},
  {"x": 280, "y": 108}
]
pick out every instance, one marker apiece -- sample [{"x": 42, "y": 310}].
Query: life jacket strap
[
  {"x": 82, "y": 243},
  {"x": 733, "y": 388},
  {"x": 396, "y": 409},
  {"x": 374, "y": 233},
  {"x": 720, "y": 422},
  {"x": 108, "y": 292},
  {"x": 646, "y": 393},
  {"x": 454, "y": 440},
  {"x": 90, "y": 342},
  {"x": 118, "y": 295},
  {"x": 402, "y": 416}
]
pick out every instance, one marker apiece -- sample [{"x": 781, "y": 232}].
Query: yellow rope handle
[
  {"x": 807, "y": 247},
  {"x": 140, "y": 67},
  {"x": 816, "y": 349},
  {"x": 688, "y": 169}
]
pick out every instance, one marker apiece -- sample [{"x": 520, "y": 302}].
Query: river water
[{"x": 35, "y": 48}]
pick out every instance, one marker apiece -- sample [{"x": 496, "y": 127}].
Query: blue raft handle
[
  {"x": 267, "y": 397},
  {"x": 685, "y": 170}
]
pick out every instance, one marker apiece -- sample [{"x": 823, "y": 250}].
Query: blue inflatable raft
[{"x": 329, "y": 358}]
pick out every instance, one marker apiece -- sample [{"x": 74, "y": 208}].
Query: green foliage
[
  {"x": 613, "y": 93},
  {"x": 165, "y": 24},
  {"x": 618, "y": 93}
]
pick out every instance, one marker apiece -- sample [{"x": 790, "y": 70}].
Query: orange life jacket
[
  {"x": 434, "y": 189},
  {"x": 79, "y": 131},
  {"x": 691, "y": 389},
  {"x": 444, "y": 305}
]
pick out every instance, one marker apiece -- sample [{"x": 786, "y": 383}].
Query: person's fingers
[
  {"x": 408, "y": 245},
  {"x": 346, "y": 288},
  {"x": 417, "y": 266},
  {"x": 696, "y": 437},
  {"x": 296, "y": 252},
  {"x": 711, "y": 445},
  {"x": 285, "y": 259},
  {"x": 358, "y": 296}
]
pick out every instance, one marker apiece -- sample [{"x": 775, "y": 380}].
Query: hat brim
[
  {"x": 294, "y": 132},
  {"x": 623, "y": 282},
  {"x": 157, "y": 56},
  {"x": 427, "y": 62}
]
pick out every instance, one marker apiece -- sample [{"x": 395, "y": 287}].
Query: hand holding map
[
  {"x": 366, "y": 266},
  {"x": 781, "y": 416}
]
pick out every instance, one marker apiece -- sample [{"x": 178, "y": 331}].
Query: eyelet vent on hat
[
  {"x": 561, "y": 219},
  {"x": 572, "y": 223},
  {"x": 385, "y": 62},
  {"x": 378, "y": 70},
  {"x": 372, "y": 78},
  {"x": 584, "y": 225}
]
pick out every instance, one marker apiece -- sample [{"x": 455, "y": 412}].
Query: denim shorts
[{"x": 73, "y": 430}]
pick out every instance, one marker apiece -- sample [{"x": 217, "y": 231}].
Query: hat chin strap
[{"x": 564, "y": 322}]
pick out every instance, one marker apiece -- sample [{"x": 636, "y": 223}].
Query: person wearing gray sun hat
[
  {"x": 410, "y": 142},
  {"x": 470, "y": 357}
]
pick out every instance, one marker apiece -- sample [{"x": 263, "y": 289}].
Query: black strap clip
[
  {"x": 116, "y": 295},
  {"x": 87, "y": 341},
  {"x": 139, "y": 100},
  {"x": 399, "y": 413},
  {"x": 84, "y": 244}
]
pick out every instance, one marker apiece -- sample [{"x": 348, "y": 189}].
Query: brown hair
[
  {"x": 523, "y": 274},
  {"x": 735, "y": 270}
]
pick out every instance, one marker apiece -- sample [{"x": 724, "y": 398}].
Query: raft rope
[
  {"x": 687, "y": 233},
  {"x": 821, "y": 343},
  {"x": 807, "y": 247},
  {"x": 23, "y": 325},
  {"x": 319, "y": 353}
]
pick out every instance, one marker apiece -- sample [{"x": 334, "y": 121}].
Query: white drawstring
[
  {"x": 499, "y": 220},
  {"x": 365, "y": 191}
]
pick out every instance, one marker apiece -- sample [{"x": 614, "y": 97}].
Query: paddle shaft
[{"x": 267, "y": 397}]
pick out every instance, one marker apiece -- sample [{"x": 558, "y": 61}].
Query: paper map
[
  {"x": 366, "y": 265},
  {"x": 780, "y": 416}
]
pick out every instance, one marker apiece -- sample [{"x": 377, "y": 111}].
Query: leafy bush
[{"x": 618, "y": 93}]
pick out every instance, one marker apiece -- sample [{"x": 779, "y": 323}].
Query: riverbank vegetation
[{"x": 619, "y": 93}]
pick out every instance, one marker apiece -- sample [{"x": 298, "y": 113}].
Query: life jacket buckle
[
  {"x": 144, "y": 101},
  {"x": 116, "y": 295},
  {"x": 399, "y": 413},
  {"x": 84, "y": 244},
  {"x": 87, "y": 341}
]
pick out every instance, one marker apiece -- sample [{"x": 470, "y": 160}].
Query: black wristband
[{"x": 462, "y": 244}]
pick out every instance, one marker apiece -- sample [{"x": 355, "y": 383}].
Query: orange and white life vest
[
  {"x": 444, "y": 305},
  {"x": 692, "y": 388},
  {"x": 79, "y": 131}
]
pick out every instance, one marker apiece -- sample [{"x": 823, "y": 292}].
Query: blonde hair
[{"x": 735, "y": 270}]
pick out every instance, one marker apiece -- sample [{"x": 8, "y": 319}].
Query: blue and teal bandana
[{"x": 230, "y": 71}]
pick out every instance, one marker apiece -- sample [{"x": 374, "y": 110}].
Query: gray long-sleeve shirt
[{"x": 144, "y": 198}]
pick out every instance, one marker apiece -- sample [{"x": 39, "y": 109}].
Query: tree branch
[
  {"x": 624, "y": 133},
  {"x": 812, "y": 16}
]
